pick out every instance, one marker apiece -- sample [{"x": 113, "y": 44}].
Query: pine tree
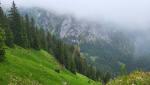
[
  {"x": 15, "y": 25},
  {"x": 25, "y": 42},
  {"x": 106, "y": 77},
  {"x": 123, "y": 69},
  {"x": 42, "y": 39},
  {"x": 1, "y": 16},
  {"x": 28, "y": 30},
  {"x": 50, "y": 43},
  {"x": 34, "y": 37},
  {"x": 24, "y": 32},
  {"x": 72, "y": 66},
  {"x": 2, "y": 51},
  {"x": 36, "y": 44},
  {"x": 9, "y": 41},
  {"x": 5, "y": 27},
  {"x": 66, "y": 56}
]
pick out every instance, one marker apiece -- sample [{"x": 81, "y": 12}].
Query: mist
[
  {"x": 128, "y": 15},
  {"x": 135, "y": 14}
]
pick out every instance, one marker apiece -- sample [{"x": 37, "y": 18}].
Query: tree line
[{"x": 23, "y": 31}]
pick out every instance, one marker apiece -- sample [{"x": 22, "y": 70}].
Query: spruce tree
[
  {"x": 4, "y": 25},
  {"x": 25, "y": 33},
  {"x": 36, "y": 42},
  {"x": 50, "y": 44},
  {"x": 34, "y": 37},
  {"x": 28, "y": 30},
  {"x": 9, "y": 41},
  {"x": 15, "y": 25},
  {"x": 25, "y": 42},
  {"x": 1, "y": 16},
  {"x": 2, "y": 51},
  {"x": 72, "y": 66},
  {"x": 42, "y": 39}
]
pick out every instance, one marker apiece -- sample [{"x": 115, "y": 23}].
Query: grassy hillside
[
  {"x": 30, "y": 67},
  {"x": 135, "y": 78}
]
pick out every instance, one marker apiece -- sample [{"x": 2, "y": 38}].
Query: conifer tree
[
  {"x": 72, "y": 65},
  {"x": 34, "y": 38},
  {"x": 36, "y": 44},
  {"x": 24, "y": 32},
  {"x": 2, "y": 51},
  {"x": 51, "y": 45},
  {"x": 42, "y": 39},
  {"x": 28, "y": 30},
  {"x": 1, "y": 16},
  {"x": 25, "y": 42},
  {"x": 9, "y": 41},
  {"x": 106, "y": 77},
  {"x": 15, "y": 25},
  {"x": 4, "y": 25}
]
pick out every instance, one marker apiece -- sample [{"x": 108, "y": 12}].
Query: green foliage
[
  {"x": 123, "y": 69},
  {"x": 36, "y": 67},
  {"x": 24, "y": 37},
  {"x": 108, "y": 54},
  {"x": 106, "y": 77},
  {"x": 9, "y": 37},
  {"x": 15, "y": 25},
  {"x": 24, "y": 32},
  {"x": 5, "y": 27},
  {"x": 2, "y": 38},
  {"x": 135, "y": 78},
  {"x": 1, "y": 17},
  {"x": 34, "y": 35}
]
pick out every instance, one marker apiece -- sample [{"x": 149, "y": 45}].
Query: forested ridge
[{"x": 22, "y": 31}]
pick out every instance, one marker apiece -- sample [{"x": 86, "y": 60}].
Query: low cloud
[{"x": 132, "y": 13}]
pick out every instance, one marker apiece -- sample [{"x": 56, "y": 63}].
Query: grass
[
  {"x": 31, "y": 67},
  {"x": 135, "y": 78}
]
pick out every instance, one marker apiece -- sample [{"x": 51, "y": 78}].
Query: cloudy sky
[{"x": 126, "y": 12}]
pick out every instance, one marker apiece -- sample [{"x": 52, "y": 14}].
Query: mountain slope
[
  {"x": 31, "y": 67},
  {"x": 99, "y": 39},
  {"x": 136, "y": 78},
  {"x": 105, "y": 44},
  {"x": 67, "y": 26}
]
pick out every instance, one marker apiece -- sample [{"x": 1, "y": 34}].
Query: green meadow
[{"x": 31, "y": 67}]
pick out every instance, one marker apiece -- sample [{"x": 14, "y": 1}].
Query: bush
[
  {"x": 2, "y": 54},
  {"x": 57, "y": 70}
]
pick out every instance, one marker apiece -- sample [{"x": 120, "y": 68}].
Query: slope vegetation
[
  {"x": 31, "y": 67},
  {"x": 135, "y": 78}
]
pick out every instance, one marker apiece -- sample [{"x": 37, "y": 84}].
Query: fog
[
  {"x": 127, "y": 14},
  {"x": 132, "y": 13}
]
